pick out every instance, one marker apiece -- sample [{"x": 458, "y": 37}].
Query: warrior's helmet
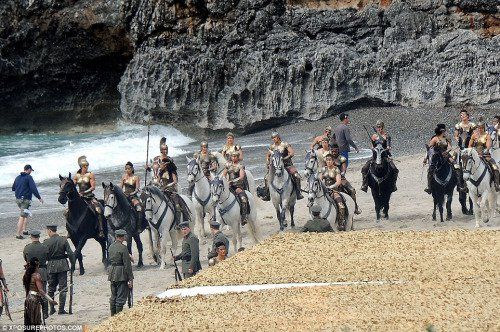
[
  {"x": 163, "y": 144},
  {"x": 380, "y": 124},
  {"x": 235, "y": 153},
  {"x": 82, "y": 161},
  {"x": 204, "y": 144},
  {"x": 275, "y": 134},
  {"x": 230, "y": 134}
]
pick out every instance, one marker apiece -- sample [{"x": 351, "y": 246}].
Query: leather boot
[
  {"x": 341, "y": 217},
  {"x": 244, "y": 209},
  {"x": 364, "y": 173},
  {"x": 62, "y": 303},
  {"x": 429, "y": 181},
  {"x": 298, "y": 186},
  {"x": 395, "y": 172},
  {"x": 119, "y": 308},
  {"x": 45, "y": 308},
  {"x": 357, "y": 210},
  {"x": 140, "y": 220},
  {"x": 112, "y": 309},
  {"x": 100, "y": 223},
  {"x": 496, "y": 177},
  {"x": 266, "y": 195},
  {"x": 52, "y": 308}
]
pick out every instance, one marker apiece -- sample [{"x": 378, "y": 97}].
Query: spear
[{"x": 148, "y": 119}]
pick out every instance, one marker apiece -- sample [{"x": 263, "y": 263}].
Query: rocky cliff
[{"x": 246, "y": 63}]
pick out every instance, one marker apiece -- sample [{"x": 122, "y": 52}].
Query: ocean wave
[{"x": 58, "y": 154}]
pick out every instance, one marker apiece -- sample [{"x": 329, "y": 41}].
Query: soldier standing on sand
[
  {"x": 190, "y": 254},
  {"x": 317, "y": 224},
  {"x": 120, "y": 273},
  {"x": 57, "y": 266},
  {"x": 38, "y": 250},
  {"x": 3, "y": 287}
]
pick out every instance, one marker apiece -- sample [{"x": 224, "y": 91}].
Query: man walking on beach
[
  {"x": 25, "y": 188},
  {"x": 343, "y": 138}
]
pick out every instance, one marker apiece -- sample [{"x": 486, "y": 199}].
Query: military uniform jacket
[
  {"x": 121, "y": 266},
  {"x": 58, "y": 251},
  {"x": 190, "y": 254},
  {"x": 40, "y": 251},
  {"x": 317, "y": 225},
  {"x": 218, "y": 237}
]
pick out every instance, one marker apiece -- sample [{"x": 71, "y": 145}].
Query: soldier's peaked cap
[{"x": 120, "y": 232}]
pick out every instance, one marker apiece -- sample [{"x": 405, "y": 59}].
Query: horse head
[
  {"x": 67, "y": 189},
  {"x": 193, "y": 169},
  {"x": 314, "y": 187},
  {"x": 469, "y": 157},
  {"x": 277, "y": 163},
  {"x": 379, "y": 153},
  {"x": 148, "y": 197},
  {"x": 110, "y": 201},
  {"x": 217, "y": 187},
  {"x": 311, "y": 163}
]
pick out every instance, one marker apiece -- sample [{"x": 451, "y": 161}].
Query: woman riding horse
[
  {"x": 380, "y": 137},
  {"x": 330, "y": 175},
  {"x": 85, "y": 180},
  {"x": 131, "y": 185},
  {"x": 235, "y": 173},
  {"x": 340, "y": 162},
  {"x": 230, "y": 147},
  {"x": 481, "y": 141}
]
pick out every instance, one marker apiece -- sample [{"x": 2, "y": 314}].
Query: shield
[{"x": 6, "y": 304}]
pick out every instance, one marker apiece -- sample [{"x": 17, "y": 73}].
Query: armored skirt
[{"x": 33, "y": 309}]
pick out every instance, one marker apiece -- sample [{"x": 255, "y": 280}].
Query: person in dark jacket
[
  {"x": 218, "y": 237},
  {"x": 25, "y": 188},
  {"x": 342, "y": 136}
]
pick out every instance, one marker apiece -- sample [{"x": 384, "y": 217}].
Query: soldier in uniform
[
  {"x": 325, "y": 147},
  {"x": 219, "y": 237},
  {"x": 327, "y": 134},
  {"x": 190, "y": 254},
  {"x": 235, "y": 173},
  {"x": 85, "y": 180},
  {"x": 341, "y": 164},
  {"x": 3, "y": 286},
  {"x": 39, "y": 251},
  {"x": 288, "y": 153},
  {"x": 120, "y": 273},
  {"x": 221, "y": 254},
  {"x": 330, "y": 175},
  {"x": 380, "y": 137},
  {"x": 317, "y": 224},
  {"x": 57, "y": 267},
  {"x": 165, "y": 175},
  {"x": 131, "y": 185},
  {"x": 230, "y": 147},
  {"x": 481, "y": 141},
  {"x": 463, "y": 130}
]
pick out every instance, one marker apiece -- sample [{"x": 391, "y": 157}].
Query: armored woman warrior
[
  {"x": 230, "y": 147},
  {"x": 481, "y": 141},
  {"x": 327, "y": 134},
  {"x": 340, "y": 162},
  {"x": 321, "y": 152},
  {"x": 288, "y": 153},
  {"x": 441, "y": 144},
  {"x": 206, "y": 159},
  {"x": 330, "y": 175},
  {"x": 380, "y": 137},
  {"x": 85, "y": 180},
  {"x": 463, "y": 130},
  {"x": 235, "y": 173},
  {"x": 131, "y": 185},
  {"x": 33, "y": 286}
]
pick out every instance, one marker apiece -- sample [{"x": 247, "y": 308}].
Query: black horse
[
  {"x": 381, "y": 179},
  {"x": 121, "y": 214},
  {"x": 81, "y": 221},
  {"x": 444, "y": 181}
]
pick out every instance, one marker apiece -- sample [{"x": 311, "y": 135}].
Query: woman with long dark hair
[{"x": 33, "y": 286}]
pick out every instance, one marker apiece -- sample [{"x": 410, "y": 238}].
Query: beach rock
[{"x": 245, "y": 64}]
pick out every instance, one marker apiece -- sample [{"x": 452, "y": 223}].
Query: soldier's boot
[
  {"x": 298, "y": 186},
  {"x": 364, "y": 173},
  {"x": 357, "y": 210},
  {"x": 429, "y": 181},
  {"x": 119, "y": 308},
  {"x": 341, "y": 217},
  {"x": 191, "y": 189},
  {"x": 45, "y": 309},
  {"x": 244, "y": 208},
  {"x": 112, "y": 309},
  {"x": 460, "y": 179},
  {"x": 62, "y": 303},
  {"x": 52, "y": 308},
  {"x": 266, "y": 194},
  {"x": 100, "y": 224},
  {"x": 140, "y": 218},
  {"x": 496, "y": 177},
  {"x": 395, "y": 172}
]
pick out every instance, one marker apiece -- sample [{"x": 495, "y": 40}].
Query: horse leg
[
  {"x": 292, "y": 210},
  {"x": 434, "y": 211},
  {"x": 462, "y": 198},
  {"x": 386, "y": 207},
  {"x": 278, "y": 214},
  {"x": 449, "y": 199},
  {"x": 78, "y": 254},
  {"x": 163, "y": 252},
  {"x": 129, "y": 243},
  {"x": 151, "y": 244},
  {"x": 104, "y": 249},
  {"x": 441, "y": 209},
  {"x": 140, "y": 248},
  {"x": 471, "y": 207},
  {"x": 477, "y": 213},
  {"x": 377, "y": 209}
]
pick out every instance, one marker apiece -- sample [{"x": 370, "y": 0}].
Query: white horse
[
  {"x": 481, "y": 189},
  {"x": 318, "y": 194},
  {"x": 228, "y": 211},
  {"x": 159, "y": 211},
  {"x": 281, "y": 190},
  {"x": 221, "y": 162},
  {"x": 311, "y": 163}
]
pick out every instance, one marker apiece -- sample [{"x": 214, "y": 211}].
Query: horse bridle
[
  {"x": 311, "y": 169},
  {"x": 107, "y": 198},
  {"x": 276, "y": 160},
  {"x": 316, "y": 184},
  {"x": 191, "y": 172},
  {"x": 63, "y": 185}
]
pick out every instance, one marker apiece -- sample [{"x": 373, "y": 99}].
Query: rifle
[
  {"x": 147, "y": 150},
  {"x": 5, "y": 300},
  {"x": 71, "y": 293},
  {"x": 176, "y": 272}
]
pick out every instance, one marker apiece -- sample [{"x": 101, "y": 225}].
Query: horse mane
[
  {"x": 120, "y": 196},
  {"x": 156, "y": 191}
]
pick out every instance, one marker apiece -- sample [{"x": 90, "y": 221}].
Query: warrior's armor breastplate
[
  {"x": 441, "y": 145},
  {"x": 381, "y": 140},
  {"x": 339, "y": 161},
  {"x": 464, "y": 133},
  {"x": 283, "y": 148},
  {"x": 83, "y": 182},
  {"x": 480, "y": 143},
  {"x": 233, "y": 172},
  {"x": 129, "y": 185},
  {"x": 204, "y": 159},
  {"x": 227, "y": 150},
  {"x": 330, "y": 175}
]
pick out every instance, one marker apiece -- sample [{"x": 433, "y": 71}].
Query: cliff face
[
  {"x": 60, "y": 61},
  {"x": 247, "y": 63}
]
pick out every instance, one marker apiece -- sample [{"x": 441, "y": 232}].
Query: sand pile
[{"x": 449, "y": 280}]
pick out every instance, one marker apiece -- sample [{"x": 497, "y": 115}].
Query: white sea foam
[{"x": 104, "y": 151}]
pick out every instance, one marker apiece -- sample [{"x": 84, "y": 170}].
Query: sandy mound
[{"x": 447, "y": 279}]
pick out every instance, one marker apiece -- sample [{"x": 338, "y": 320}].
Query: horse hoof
[
  {"x": 140, "y": 264},
  {"x": 486, "y": 221},
  {"x": 82, "y": 272},
  {"x": 292, "y": 225},
  {"x": 285, "y": 224}
]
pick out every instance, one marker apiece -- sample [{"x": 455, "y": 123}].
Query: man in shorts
[{"x": 24, "y": 186}]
